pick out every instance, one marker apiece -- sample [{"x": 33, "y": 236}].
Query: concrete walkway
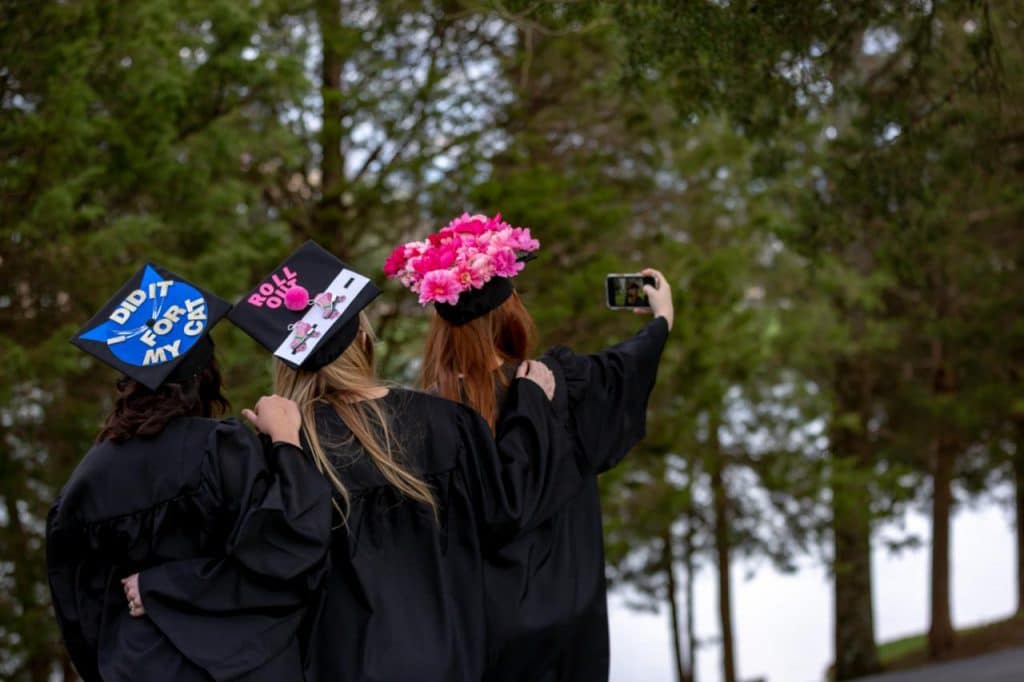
[{"x": 1002, "y": 666}]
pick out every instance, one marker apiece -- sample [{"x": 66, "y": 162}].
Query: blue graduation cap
[{"x": 155, "y": 328}]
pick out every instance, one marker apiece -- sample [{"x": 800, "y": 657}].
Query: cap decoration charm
[
  {"x": 297, "y": 298},
  {"x": 328, "y": 304}
]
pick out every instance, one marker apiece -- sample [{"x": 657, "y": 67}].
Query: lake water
[{"x": 783, "y": 623}]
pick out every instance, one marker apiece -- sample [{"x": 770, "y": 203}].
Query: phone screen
[{"x": 627, "y": 291}]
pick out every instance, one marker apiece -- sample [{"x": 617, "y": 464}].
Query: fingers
[
  {"x": 656, "y": 274},
  {"x": 132, "y": 594},
  {"x": 265, "y": 404},
  {"x": 278, "y": 417},
  {"x": 540, "y": 374},
  {"x": 535, "y": 369}
]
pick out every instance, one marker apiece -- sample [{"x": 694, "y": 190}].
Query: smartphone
[{"x": 626, "y": 291}]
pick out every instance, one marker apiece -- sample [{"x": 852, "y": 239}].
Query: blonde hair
[{"x": 348, "y": 385}]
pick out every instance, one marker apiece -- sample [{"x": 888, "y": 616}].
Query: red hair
[{"x": 459, "y": 360}]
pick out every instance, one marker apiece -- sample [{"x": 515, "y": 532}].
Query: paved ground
[{"x": 1003, "y": 666}]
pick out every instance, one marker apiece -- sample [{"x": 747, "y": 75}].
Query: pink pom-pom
[{"x": 296, "y": 298}]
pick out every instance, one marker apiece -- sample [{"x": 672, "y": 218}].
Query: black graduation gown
[
  {"x": 546, "y": 595},
  {"x": 404, "y": 600},
  {"x": 229, "y": 535}
]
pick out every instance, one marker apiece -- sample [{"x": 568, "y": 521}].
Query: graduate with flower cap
[
  {"x": 183, "y": 547},
  {"x": 422, "y": 487},
  {"x": 545, "y": 589}
]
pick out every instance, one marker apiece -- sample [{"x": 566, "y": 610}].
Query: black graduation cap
[
  {"x": 155, "y": 328},
  {"x": 306, "y": 312}
]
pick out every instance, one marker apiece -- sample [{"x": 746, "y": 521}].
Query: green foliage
[{"x": 123, "y": 129}]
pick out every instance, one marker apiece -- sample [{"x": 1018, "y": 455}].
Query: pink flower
[
  {"x": 521, "y": 240},
  {"x": 440, "y": 286},
  {"x": 447, "y": 254},
  {"x": 505, "y": 263},
  {"x": 467, "y": 224},
  {"x": 483, "y": 265},
  {"x": 470, "y": 277},
  {"x": 396, "y": 261},
  {"x": 437, "y": 258}
]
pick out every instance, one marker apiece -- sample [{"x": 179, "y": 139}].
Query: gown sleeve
[
  {"x": 526, "y": 471},
  {"x": 608, "y": 392},
  {"x": 231, "y": 613}
]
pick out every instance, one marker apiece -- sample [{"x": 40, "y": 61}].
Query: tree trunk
[
  {"x": 721, "y": 506},
  {"x": 691, "y": 632},
  {"x": 37, "y": 665},
  {"x": 940, "y": 632},
  {"x": 1018, "y": 479},
  {"x": 39, "y": 668},
  {"x": 855, "y": 651},
  {"x": 327, "y": 213},
  {"x": 668, "y": 565}
]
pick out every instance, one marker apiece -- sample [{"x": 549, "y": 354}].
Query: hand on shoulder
[
  {"x": 539, "y": 373},
  {"x": 277, "y": 417}
]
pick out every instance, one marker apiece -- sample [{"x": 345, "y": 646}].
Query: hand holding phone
[
  {"x": 626, "y": 291},
  {"x": 643, "y": 292}
]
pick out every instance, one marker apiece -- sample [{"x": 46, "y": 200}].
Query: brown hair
[
  {"x": 140, "y": 412},
  {"x": 459, "y": 360},
  {"x": 348, "y": 385}
]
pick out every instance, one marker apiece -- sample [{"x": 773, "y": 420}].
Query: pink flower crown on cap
[{"x": 464, "y": 255}]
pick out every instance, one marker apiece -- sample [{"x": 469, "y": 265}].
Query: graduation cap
[
  {"x": 155, "y": 328},
  {"x": 306, "y": 312},
  {"x": 465, "y": 269}
]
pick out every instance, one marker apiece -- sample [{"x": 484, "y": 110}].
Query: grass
[
  {"x": 900, "y": 648},
  {"x": 910, "y": 652}
]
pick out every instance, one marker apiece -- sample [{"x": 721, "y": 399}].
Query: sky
[{"x": 784, "y": 622}]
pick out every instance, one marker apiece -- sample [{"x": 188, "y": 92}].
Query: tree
[{"x": 886, "y": 84}]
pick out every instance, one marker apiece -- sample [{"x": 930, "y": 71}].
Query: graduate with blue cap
[{"x": 183, "y": 547}]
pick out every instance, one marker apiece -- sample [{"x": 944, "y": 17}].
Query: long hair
[
  {"x": 140, "y": 412},
  {"x": 348, "y": 385},
  {"x": 462, "y": 362}
]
